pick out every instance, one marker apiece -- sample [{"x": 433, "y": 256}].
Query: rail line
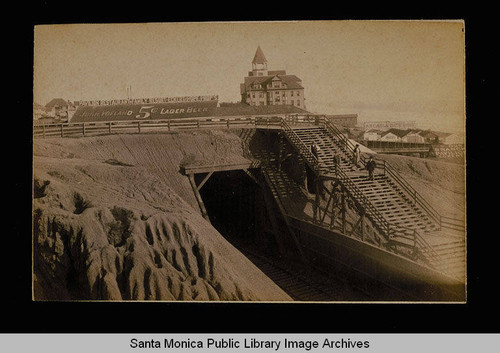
[{"x": 303, "y": 284}]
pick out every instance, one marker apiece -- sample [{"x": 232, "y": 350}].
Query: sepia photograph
[{"x": 310, "y": 161}]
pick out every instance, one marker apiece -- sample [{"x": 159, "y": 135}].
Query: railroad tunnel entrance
[{"x": 235, "y": 205}]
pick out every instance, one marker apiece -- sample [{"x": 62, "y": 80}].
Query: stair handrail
[
  {"x": 296, "y": 141},
  {"x": 418, "y": 239},
  {"x": 391, "y": 229},
  {"x": 410, "y": 191},
  {"x": 337, "y": 133}
]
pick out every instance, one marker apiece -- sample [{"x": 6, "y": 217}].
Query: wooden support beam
[
  {"x": 326, "y": 207},
  {"x": 355, "y": 226},
  {"x": 251, "y": 176},
  {"x": 287, "y": 223},
  {"x": 217, "y": 168},
  {"x": 198, "y": 197},
  {"x": 274, "y": 223},
  {"x": 288, "y": 155},
  {"x": 317, "y": 200},
  {"x": 204, "y": 180}
]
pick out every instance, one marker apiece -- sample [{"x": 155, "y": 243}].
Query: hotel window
[
  {"x": 298, "y": 103},
  {"x": 298, "y": 93},
  {"x": 291, "y": 93}
]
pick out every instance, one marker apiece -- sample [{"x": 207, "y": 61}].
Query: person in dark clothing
[
  {"x": 370, "y": 166},
  {"x": 356, "y": 155},
  {"x": 336, "y": 161},
  {"x": 314, "y": 150}
]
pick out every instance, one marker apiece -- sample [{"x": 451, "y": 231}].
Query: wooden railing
[
  {"x": 299, "y": 145},
  {"x": 126, "y": 126},
  {"x": 411, "y": 193}
]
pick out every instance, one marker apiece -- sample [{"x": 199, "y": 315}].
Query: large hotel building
[{"x": 263, "y": 87}]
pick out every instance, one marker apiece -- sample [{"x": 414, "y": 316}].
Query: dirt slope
[{"x": 113, "y": 220}]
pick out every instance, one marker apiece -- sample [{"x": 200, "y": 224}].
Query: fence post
[
  {"x": 83, "y": 129},
  {"x": 168, "y": 125},
  {"x": 109, "y": 127},
  {"x": 62, "y": 133},
  {"x": 227, "y": 123},
  {"x": 43, "y": 130},
  {"x": 139, "y": 126}
]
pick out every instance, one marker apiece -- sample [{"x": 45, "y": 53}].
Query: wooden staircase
[{"x": 412, "y": 224}]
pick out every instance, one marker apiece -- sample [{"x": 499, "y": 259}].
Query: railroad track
[{"x": 302, "y": 285}]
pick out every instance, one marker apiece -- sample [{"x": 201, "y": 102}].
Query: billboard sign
[{"x": 138, "y": 112}]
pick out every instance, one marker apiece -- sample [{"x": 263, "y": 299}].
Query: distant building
[
  {"x": 39, "y": 111},
  {"x": 438, "y": 137},
  {"x": 372, "y": 135},
  {"x": 345, "y": 120},
  {"x": 265, "y": 87},
  {"x": 394, "y": 135},
  {"x": 413, "y": 136},
  {"x": 384, "y": 125},
  {"x": 60, "y": 109}
]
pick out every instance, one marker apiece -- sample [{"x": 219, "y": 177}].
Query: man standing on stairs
[
  {"x": 315, "y": 150},
  {"x": 336, "y": 161},
  {"x": 356, "y": 155},
  {"x": 370, "y": 166}
]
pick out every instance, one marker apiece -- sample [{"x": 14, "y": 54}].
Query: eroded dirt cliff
[{"x": 113, "y": 220}]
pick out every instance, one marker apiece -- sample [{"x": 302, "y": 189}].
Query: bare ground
[{"x": 113, "y": 220}]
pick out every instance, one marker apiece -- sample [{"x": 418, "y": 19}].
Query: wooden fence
[{"x": 109, "y": 127}]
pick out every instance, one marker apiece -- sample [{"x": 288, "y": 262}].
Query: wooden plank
[
  {"x": 218, "y": 168},
  {"x": 204, "y": 180},
  {"x": 198, "y": 197}
]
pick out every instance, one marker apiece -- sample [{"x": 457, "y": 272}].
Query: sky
[{"x": 380, "y": 70}]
